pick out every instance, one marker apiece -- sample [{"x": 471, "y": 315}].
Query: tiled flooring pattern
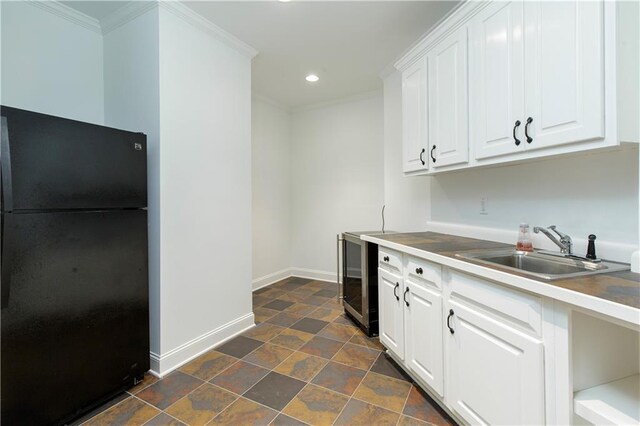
[{"x": 304, "y": 363}]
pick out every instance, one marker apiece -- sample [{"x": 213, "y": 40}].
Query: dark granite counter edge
[{"x": 619, "y": 287}]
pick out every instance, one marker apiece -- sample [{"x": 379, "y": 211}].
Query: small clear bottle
[{"x": 524, "y": 238}]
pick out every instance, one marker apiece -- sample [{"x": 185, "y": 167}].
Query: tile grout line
[
  {"x": 143, "y": 388},
  {"x": 384, "y": 375},
  {"x": 228, "y": 405},
  {"x": 161, "y": 411},
  {"x": 314, "y": 376},
  {"x": 405, "y": 402},
  {"x": 198, "y": 378},
  {"x": 222, "y": 371},
  {"x": 350, "y": 397},
  {"x": 183, "y": 397},
  {"x": 309, "y": 382},
  {"x": 202, "y": 384},
  {"x": 348, "y": 401},
  {"x": 273, "y": 370},
  {"x": 330, "y": 305},
  {"x": 305, "y": 386},
  {"x": 104, "y": 411},
  {"x": 147, "y": 403},
  {"x": 332, "y": 360},
  {"x": 273, "y": 337},
  {"x": 238, "y": 398}
]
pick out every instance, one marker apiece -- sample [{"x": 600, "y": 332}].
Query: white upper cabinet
[
  {"x": 515, "y": 80},
  {"x": 497, "y": 84},
  {"x": 564, "y": 72},
  {"x": 537, "y": 76},
  {"x": 414, "y": 117},
  {"x": 448, "y": 101}
]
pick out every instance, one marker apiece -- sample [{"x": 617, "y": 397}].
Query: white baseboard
[
  {"x": 269, "y": 279},
  {"x": 620, "y": 252},
  {"x": 161, "y": 365},
  {"x": 313, "y": 274}
]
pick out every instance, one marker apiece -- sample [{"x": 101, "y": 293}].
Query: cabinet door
[
  {"x": 423, "y": 328},
  {"x": 414, "y": 117},
  {"x": 496, "y": 371},
  {"x": 448, "y": 101},
  {"x": 496, "y": 78},
  {"x": 391, "y": 312},
  {"x": 564, "y": 71}
]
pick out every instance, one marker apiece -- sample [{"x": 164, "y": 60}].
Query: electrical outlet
[{"x": 484, "y": 205}]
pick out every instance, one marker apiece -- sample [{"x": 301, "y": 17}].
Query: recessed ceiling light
[
  {"x": 312, "y": 78},
  {"x": 284, "y": 1}
]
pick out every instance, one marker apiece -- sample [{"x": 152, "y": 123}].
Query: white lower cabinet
[
  {"x": 423, "y": 328},
  {"x": 391, "y": 312},
  {"x": 496, "y": 372},
  {"x": 493, "y": 371}
]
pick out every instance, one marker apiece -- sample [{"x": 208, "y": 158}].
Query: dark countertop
[{"x": 619, "y": 287}]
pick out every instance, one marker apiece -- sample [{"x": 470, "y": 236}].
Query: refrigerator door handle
[{"x": 5, "y": 164}]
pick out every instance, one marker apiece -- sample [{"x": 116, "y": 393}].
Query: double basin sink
[{"x": 542, "y": 265}]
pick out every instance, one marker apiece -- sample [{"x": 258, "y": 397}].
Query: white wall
[
  {"x": 205, "y": 163},
  {"x": 50, "y": 64},
  {"x": 190, "y": 94},
  {"x": 132, "y": 102},
  {"x": 406, "y": 198},
  {"x": 337, "y": 179},
  {"x": 594, "y": 193},
  {"x": 271, "y": 191},
  {"x": 587, "y": 193}
]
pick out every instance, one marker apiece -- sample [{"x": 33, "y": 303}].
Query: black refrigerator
[{"x": 74, "y": 273}]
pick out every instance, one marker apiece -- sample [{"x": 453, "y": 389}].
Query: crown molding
[
  {"x": 70, "y": 14},
  {"x": 133, "y": 9},
  {"x": 125, "y": 14},
  {"x": 387, "y": 71},
  {"x": 267, "y": 100},
  {"x": 451, "y": 22},
  {"x": 354, "y": 98},
  {"x": 203, "y": 24}
]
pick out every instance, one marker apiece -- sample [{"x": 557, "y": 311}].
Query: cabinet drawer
[
  {"x": 520, "y": 309},
  {"x": 390, "y": 260},
  {"x": 422, "y": 271}
]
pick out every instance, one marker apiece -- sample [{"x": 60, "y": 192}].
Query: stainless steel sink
[{"x": 543, "y": 265}]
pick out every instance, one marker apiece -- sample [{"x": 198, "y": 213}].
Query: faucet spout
[{"x": 564, "y": 242}]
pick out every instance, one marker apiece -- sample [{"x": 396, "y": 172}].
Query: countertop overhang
[{"x": 614, "y": 294}]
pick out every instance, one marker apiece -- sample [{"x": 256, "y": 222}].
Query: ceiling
[
  {"x": 95, "y": 8},
  {"x": 346, "y": 43}
]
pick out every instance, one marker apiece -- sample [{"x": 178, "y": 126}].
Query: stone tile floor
[{"x": 304, "y": 363}]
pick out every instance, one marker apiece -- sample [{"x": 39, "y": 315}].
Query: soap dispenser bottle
[{"x": 524, "y": 238}]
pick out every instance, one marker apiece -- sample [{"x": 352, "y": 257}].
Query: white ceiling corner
[{"x": 348, "y": 44}]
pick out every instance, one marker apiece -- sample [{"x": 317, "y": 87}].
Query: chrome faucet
[{"x": 564, "y": 243}]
